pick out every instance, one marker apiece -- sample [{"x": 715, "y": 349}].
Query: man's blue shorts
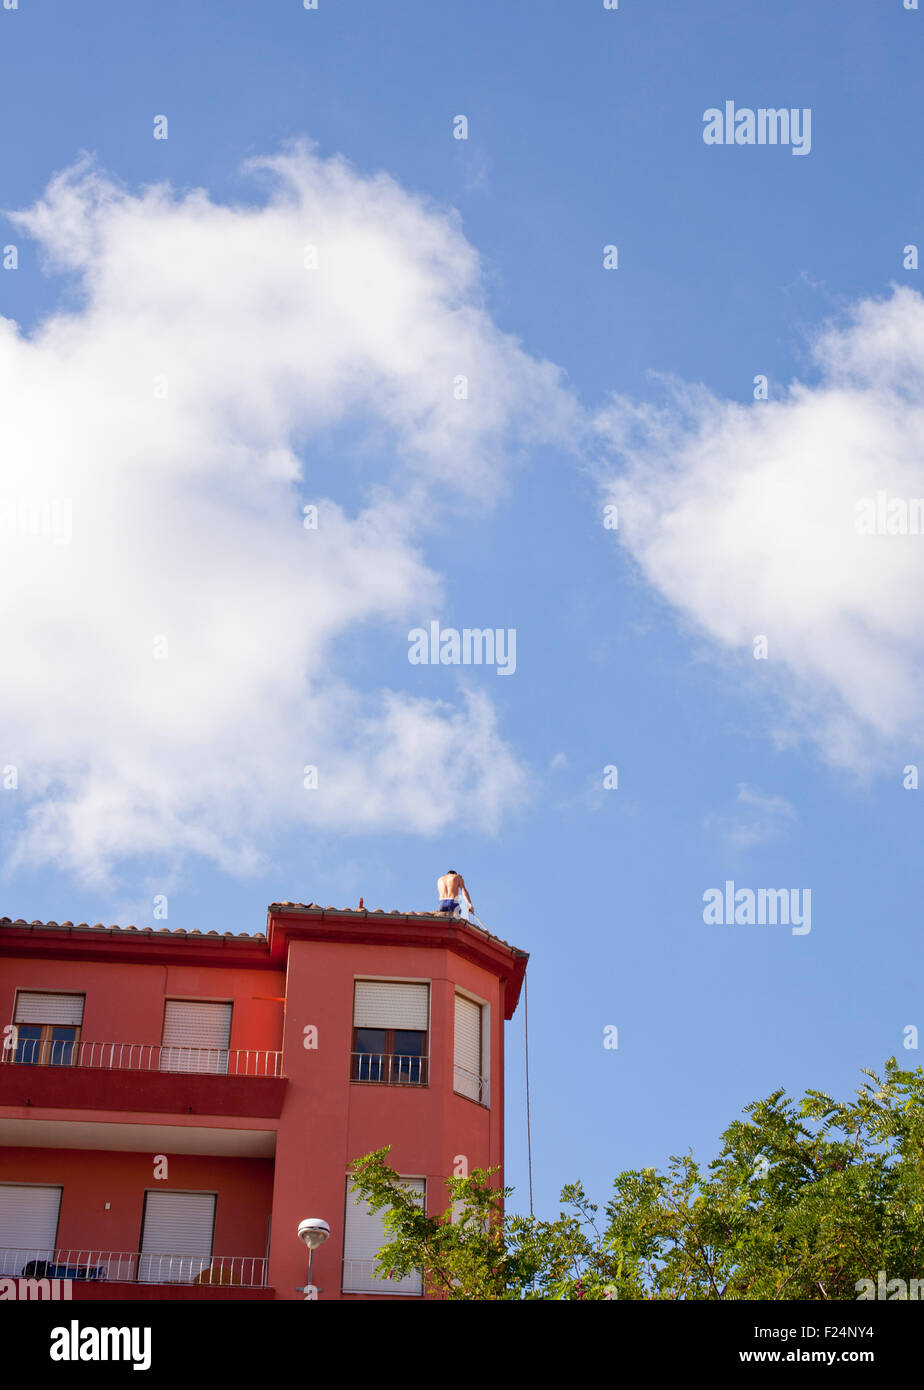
[{"x": 449, "y": 905}]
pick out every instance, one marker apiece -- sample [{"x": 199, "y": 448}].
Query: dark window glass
[
  {"x": 369, "y": 1062},
  {"x": 409, "y": 1049},
  {"x": 408, "y": 1043},
  {"x": 28, "y": 1039},
  {"x": 45, "y": 1045},
  {"x": 61, "y": 1046}
]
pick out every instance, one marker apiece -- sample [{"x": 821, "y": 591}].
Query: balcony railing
[
  {"x": 132, "y": 1267},
  {"x": 469, "y": 1083},
  {"x": 359, "y": 1276},
  {"x": 213, "y": 1061},
  {"x": 389, "y": 1068}
]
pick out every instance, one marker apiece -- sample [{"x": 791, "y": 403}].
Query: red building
[{"x": 173, "y": 1104}]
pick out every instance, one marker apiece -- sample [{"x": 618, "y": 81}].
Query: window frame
[
  {"x": 48, "y": 1186},
  {"x": 388, "y": 1054},
  {"x": 221, "y": 1053},
  {"x": 45, "y": 1044},
  {"x": 153, "y": 1255},
  {"x": 46, "y": 1041},
  {"x": 483, "y": 1099},
  {"x": 384, "y": 1290}
]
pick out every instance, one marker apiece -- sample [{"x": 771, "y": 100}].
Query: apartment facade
[{"x": 173, "y": 1104}]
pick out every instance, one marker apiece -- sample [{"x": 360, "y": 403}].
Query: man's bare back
[{"x": 448, "y": 886}]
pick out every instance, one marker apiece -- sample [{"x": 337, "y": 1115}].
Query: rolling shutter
[
  {"x": 32, "y": 1007},
  {"x": 364, "y": 1234},
  {"x": 28, "y": 1225},
  {"x": 387, "y": 1004},
  {"x": 176, "y": 1243},
  {"x": 196, "y": 1036},
  {"x": 467, "y": 1071}
]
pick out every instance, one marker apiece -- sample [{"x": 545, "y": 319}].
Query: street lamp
[{"x": 313, "y": 1231}]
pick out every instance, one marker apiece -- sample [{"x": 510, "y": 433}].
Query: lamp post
[{"x": 313, "y": 1232}]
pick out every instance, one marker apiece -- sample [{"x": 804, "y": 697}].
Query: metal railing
[
  {"x": 471, "y": 1084},
  {"x": 214, "y": 1061},
  {"x": 359, "y": 1277},
  {"x": 389, "y": 1068},
  {"x": 133, "y": 1267}
]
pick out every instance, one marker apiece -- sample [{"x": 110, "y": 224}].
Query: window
[
  {"x": 47, "y": 1029},
  {"x": 364, "y": 1234},
  {"x": 390, "y": 1055},
  {"x": 176, "y": 1236},
  {"x": 196, "y": 1036},
  {"x": 28, "y": 1228},
  {"x": 390, "y": 1028},
  {"x": 469, "y": 1077}
]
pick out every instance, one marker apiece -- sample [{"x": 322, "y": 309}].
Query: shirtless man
[{"x": 448, "y": 888}]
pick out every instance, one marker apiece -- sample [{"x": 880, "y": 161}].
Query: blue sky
[{"x": 585, "y": 129}]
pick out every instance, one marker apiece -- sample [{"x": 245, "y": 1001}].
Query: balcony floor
[{"x": 97, "y": 1088}]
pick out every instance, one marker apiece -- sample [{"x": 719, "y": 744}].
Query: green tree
[{"x": 803, "y": 1202}]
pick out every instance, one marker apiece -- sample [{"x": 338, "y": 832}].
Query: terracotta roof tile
[
  {"x": 136, "y": 931},
  {"x": 255, "y": 936},
  {"x": 396, "y": 912}
]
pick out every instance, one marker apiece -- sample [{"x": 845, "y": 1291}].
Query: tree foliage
[{"x": 803, "y": 1201}]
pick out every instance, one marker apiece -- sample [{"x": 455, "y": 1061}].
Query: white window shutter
[
  {"x": 176, "y": 1242},
  {"x": 391, "y": 1004},
  {"x": 467, "y": 1070},
  {"x": 28, "y": 1225},
  {"x": 196, "y": 1036},
  {"x": 34, "y": 1007},
  {"x": 364, "y": 1234}
]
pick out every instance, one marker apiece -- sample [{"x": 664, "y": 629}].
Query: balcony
[
  {"x": 389, "y": 1068},
  {"x": 211, "y": 1061},
  {"x": 366, "y": 1276},
  {"x": 122, "y": 1272},
  {"x": 141, "y": 1076},
  {"x": 471, "y": 1084}
]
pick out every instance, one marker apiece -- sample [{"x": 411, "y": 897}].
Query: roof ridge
[
  {"x": 433, "y": 915},
  {"x": 116, "y": 927},
  {"x": 184, "y": 932}
]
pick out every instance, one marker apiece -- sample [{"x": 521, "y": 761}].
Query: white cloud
[
  {"x": 755, "y": 819},
  {"x": 743, "y": 517},
  {"x": 187, "y": 513}
]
